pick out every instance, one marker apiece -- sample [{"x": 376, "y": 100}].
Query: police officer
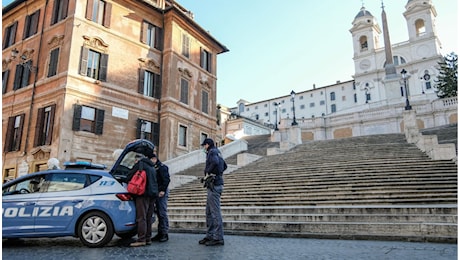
[
  {"x": 161, "y": 203},
  {"x": 214, "y": 183}
]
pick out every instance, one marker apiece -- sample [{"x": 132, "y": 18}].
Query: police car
[{"x": 82, "y": 200}]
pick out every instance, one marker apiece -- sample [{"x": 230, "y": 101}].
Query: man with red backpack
[{"x": 145, "y": 202}]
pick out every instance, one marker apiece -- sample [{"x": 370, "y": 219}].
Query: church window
[
  {"x": 420, "y": 27},
  {"x": 397, "y": 60},
  {"x": 427, "y": 79},
  {"x": 241, "y": 108},
  {"x": 363, "y": 43}
]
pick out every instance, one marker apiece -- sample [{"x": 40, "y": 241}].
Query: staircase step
[{"x": 372, "y": 187}]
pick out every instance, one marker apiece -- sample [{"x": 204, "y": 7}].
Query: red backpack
[{"x": 137, "y": 184}]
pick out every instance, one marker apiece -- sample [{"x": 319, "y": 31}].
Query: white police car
[{"x": 81, "y": 200}]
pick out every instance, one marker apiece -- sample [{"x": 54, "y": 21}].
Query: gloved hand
[{"x": 208, "y": 180}]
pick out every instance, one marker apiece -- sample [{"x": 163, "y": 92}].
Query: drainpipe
[
  {"x": 161, "y": 71},
  {"x": 35, "y": 81}
]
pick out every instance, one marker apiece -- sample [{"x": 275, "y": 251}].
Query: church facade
[{"x": 378, "y": 81}]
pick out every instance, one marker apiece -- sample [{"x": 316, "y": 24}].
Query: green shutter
[
  {"x": 76, "y": 117},
  {"x": 99, "y": 121}
]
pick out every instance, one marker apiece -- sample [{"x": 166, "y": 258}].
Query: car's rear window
[{"x": 129, "y": 160}]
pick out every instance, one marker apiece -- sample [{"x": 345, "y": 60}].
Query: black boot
[
  {"x": 157, "y": 237},
  {"x": 163, "y": 238}
]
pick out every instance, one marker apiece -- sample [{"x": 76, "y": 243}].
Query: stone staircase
[
  {"x": 446, "y": 134},
  {"x": 369, "y": 187}
]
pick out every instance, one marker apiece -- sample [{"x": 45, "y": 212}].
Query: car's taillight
[{"x": 124, "y": 196}]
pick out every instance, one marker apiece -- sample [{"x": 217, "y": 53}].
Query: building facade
[
  {"x": 374, "y": 84},
  {"x": 83, "y": 78}
]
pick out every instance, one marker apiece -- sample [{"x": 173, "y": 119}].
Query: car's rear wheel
[{"x": 95, "y": 229}]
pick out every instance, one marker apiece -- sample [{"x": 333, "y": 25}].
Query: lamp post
[
  {"x": 23, "y": 62},
  {"x": 293, "y": 107},
  {"x": 421, "y": 84},
  {"x": 403, "y": 73},
  {"x": 276, "y": 115}
]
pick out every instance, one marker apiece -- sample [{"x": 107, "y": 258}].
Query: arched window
[
  {"x": 419, "y": 27},
  {"x": 241, "y": 108},
  {"x": 427, "y": 79},
  {"x": 332, "y": 96},
  {"x": 363, "y": 43},
  {"x": 397, "y": 60}
]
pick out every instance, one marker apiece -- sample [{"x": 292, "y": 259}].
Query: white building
[{"x": 375, "y": 84}]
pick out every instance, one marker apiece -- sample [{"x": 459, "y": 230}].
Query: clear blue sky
[{"x": 279, "y": 46}]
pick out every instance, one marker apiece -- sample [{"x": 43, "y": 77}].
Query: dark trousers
[
  {"x": 214, "y": 221},
  {"x": 144, "y": 211},
  {"x": 161, "y": 207}
]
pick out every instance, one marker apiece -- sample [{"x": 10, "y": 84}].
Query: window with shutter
[
  {"x": 182, "y": 136},
  {"x": 59, "y": 10},
  {"x": 99, "y": 122},
  {"x": 99, "y": 12},
  {"x": 53, "y": 65},
  {"x": 204, "y": 101},
  {"x": 93, "y": 64},
  {"x": 149, "y": 84},
  {"x": 151, "y": 35},
  {"x": 21, "y": 78},
  {"x": 14, "y": 133},
  {"x": 205, "y": 60},
  {"x": 184, "y": 91},
  {"x": 88, "y": 119},
  {"x": 5, "y": 76},
  {"x": 185, "y": 45},
  {"x": 44, "y": 127},
  {"x": 31, "y": 26},
  {"x": 9, "y": 36},
  {"x": 156, "y": 134}
]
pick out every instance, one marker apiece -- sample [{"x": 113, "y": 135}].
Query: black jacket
[
  {"x": 151, "y": 189},
  {"x": 163, "y": 178},
  {"x": 214, "y": 165}
]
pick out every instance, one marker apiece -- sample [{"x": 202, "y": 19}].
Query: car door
[
  {"x": 62, "y": 202},
  {"x": 19, "y": 206},
  {"x": 125, "y": 161}
]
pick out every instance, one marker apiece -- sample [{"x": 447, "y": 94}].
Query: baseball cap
[{"x": 208, "y": 141}]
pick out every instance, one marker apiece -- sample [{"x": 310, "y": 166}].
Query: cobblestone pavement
[{"x": 185, "y": 246}]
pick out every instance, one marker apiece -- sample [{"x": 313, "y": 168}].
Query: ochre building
[{"x": 83, "y": 78}]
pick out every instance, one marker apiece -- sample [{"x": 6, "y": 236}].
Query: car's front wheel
[{"x": 95, "y": 229}]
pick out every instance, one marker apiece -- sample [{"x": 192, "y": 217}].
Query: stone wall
[{"x": 382, "y": 120}]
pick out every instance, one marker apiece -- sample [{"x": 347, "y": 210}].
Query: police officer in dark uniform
[
  {"x": 214, "y": 182},
  {"x": 161, "y": 203}
]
